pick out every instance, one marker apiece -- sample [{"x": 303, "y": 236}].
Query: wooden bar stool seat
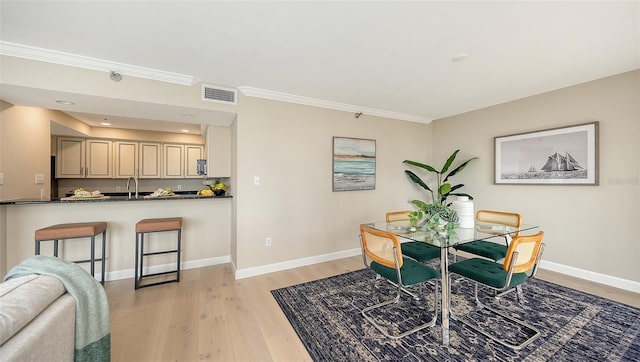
[
  {"x": 151, "y": 226},
  {"x": 75, "y": 231}
]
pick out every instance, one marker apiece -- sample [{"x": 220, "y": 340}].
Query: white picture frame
[{"x": 558, "y": 156}]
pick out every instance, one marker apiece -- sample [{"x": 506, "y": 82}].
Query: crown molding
[
  {"x": 57, "y": 57},
  {"x": 291, "y": 98}
]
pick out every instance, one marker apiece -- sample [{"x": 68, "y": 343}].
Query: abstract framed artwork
[
  {"x": 565, "y": 156},
  {"x": 354, "y": 164}
]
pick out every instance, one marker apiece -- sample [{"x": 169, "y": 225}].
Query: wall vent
[{"x": 219, "y": 94}]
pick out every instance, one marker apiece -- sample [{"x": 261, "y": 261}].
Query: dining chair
[
  {"x": 414, "y": 249},
  {"x": 490, "y": 249},
  {"x": 519, "y": 265},
  {"x": 382, "y": 253}
]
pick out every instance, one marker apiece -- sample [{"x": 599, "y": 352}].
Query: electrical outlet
[
  {"x": 267, "y": 241},
  {"x": 179, "y": 187}
]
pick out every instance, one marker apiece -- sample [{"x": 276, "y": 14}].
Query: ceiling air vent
[{"x": 218, "y": 94}]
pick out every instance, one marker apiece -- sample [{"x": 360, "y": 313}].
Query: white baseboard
[
  {"x": 612, "y": 281},
  {"x": 563, "y": 269},
  {"x": 609, "y": 280},
  {"x": 264, "y": 269},
  {"x": 192, "y": 264}
]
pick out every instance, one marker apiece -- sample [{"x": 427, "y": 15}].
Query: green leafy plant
[
  {"x": 434, "y": 215},
  {"x": 444, "y": 189},
  {"x": 437, "y": 213}
]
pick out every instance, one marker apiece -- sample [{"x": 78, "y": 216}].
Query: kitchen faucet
[{"x": 129, "y": 183}]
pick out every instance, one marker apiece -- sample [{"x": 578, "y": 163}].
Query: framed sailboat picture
[{"x": 566, "y": 156}]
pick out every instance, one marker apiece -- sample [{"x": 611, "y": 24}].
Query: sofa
[{"x": 37, "y": 320}]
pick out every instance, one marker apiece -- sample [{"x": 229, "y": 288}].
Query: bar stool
[
  {"x": 74, "y": 231},
  {"x": 151, "y": 226}
]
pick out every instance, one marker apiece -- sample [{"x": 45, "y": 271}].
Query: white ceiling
[{"x": 390, "y": 56}]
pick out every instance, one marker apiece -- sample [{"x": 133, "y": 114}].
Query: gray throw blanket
[{"x": 93, "y": 338}]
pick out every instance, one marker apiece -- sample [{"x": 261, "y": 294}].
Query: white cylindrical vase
[{"x": 464, "y": 208}]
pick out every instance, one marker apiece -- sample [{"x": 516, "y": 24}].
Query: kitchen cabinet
[
  {"x": 99, "y": 162},
  {"x": 172, "y": 161},
  {"x": 84, "y": 158},
  {"x": 102, "y": 158},
  {"x": 125, "y": 159},
  {"x": 180, "y": 161},
  {"x": 70, "y": 158},
  {"x": 218, "y": 151},
  {"x": 150, "y": 159},
  {"x": 192, "y": 153}
]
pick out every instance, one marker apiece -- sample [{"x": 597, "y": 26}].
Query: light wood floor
[{"x": 211, "y": 316}]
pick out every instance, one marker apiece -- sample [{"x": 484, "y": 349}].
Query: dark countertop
[{"x": 115, "y": 198}]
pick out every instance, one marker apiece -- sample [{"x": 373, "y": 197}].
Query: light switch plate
[
  {"x": 256, "y": 180},
  {"x": 39, "y": 179},
  {"x": 1, "y": 178}
]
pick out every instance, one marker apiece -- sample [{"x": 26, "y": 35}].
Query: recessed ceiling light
[
  {"x": 459, "y": 57},
  {"x": 105, "y": 123},
  {"x": 68, "y": 103},
  {"x": 184, "y": 130}
]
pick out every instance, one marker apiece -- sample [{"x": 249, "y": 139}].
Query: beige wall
[
  {"x": 290, "y": 147},
  {"x": 234, "y": 186},
  {"x": 595, "y": 228},
  {"x": 25, "y": 151},
  {"x": 3, "y": 240}
]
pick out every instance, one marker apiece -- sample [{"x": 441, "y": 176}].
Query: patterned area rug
[{"x": 575, "y": 326}]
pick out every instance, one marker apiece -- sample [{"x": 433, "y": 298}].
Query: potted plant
[{"x": 438, "y": 211}]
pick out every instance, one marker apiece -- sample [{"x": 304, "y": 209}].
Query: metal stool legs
[
  {"x": 141, "y": 254},
  {"x": 92, "y": 260}
]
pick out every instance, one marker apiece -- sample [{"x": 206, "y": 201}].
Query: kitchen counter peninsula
[
  {"x": 111, "y": 198},
  {"x": 206, "y": 232}
]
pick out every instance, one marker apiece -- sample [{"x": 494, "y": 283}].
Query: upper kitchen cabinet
[
  {"x": 180, "y": 161},
  {"x": 150, "y": 160},
  {"x": 173, "y": 161},
  {"x": 120, "y": 158},
  {"x": 218, "y": 151},
  {"x": 70, "y": 158},
  {"x": 80, "y": 158},
  {"x": 125, "y": 159},
  {"x": 192, "y": 153},
  {"x": 99, "y": 158}
]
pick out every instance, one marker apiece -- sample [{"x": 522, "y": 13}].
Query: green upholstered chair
[
  {"x": 520, "y": 264},
  {"x": 382, "y": 253},
  {"x": 488, "y": 249},
  {"x": 414, "y": 249}
]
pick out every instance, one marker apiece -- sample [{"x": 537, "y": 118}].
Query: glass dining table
[{"x": 444, "y": 239}]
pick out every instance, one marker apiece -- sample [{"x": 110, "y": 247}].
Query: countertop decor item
[
  {"x": 219, "y": 188},
  {"x": 166, "y": 192}
]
